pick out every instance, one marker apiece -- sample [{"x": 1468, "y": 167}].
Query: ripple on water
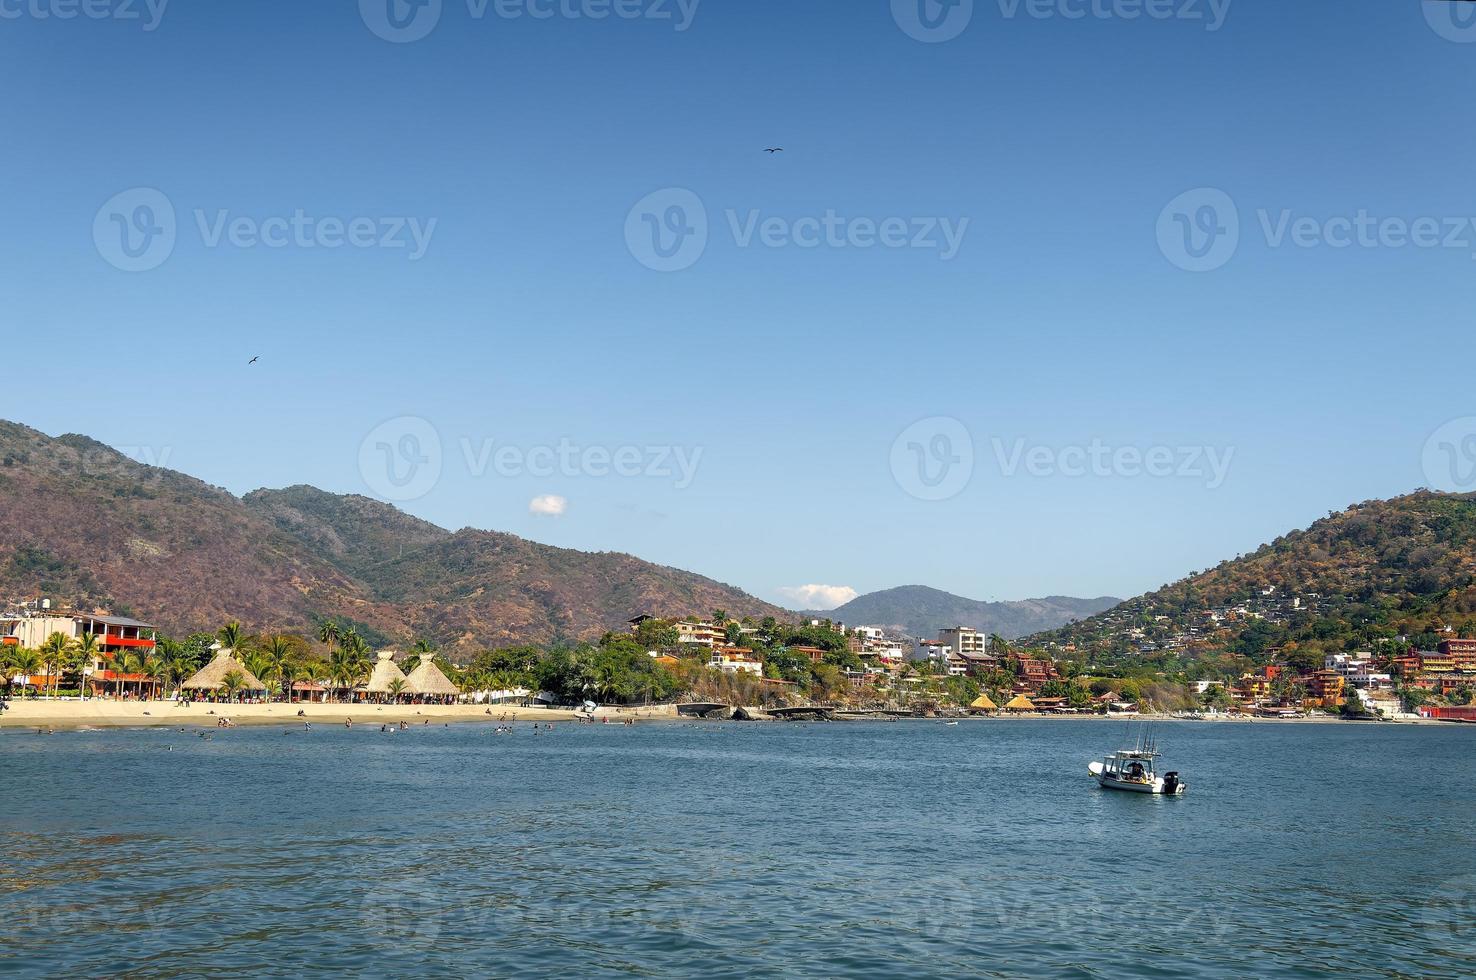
[{"x": 852, "y": 850}]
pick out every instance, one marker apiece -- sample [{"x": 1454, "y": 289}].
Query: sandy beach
[
  {"x": 64, "y": 713},
  {"x": 103, "y": 713}
]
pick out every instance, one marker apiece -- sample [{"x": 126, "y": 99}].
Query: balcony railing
[{"x": 112, "y": 640}]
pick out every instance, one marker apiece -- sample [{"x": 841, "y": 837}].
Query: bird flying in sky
[
  {"x": 773, "y": 149},
  {"x": 253, "y": 360}
]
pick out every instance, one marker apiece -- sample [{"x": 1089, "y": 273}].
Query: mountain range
[
  {"x": 83, "y": 522},
  {"x": 920, "y": 611},
  {"x": 1377, "y": 570}
]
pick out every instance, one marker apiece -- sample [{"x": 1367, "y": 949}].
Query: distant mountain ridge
[
  {"x": 921, "y": 611},
  {"x": 1381, "y": 568},
  {"x": 81, "y": 521}
]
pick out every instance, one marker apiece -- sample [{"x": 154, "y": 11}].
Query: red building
[
  {"x": 1462, "y": 653},
  {"x": 1465, "y": 712}
]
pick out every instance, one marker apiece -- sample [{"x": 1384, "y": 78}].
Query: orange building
[{"x": 1326, "y": 687}]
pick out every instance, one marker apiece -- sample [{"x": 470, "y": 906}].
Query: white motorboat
[{"x": 1133, "y": 770}]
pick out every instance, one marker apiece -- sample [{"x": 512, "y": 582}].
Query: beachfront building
[
  {"x": 736, "y": 660},
  {"x": 1034, "y": 673},
  {"x": 1460, "y": 653},
  {"x": 211, "y": 680},
  {"x": 963, "y": 640},
  {"x": 1019, "y": 703},
  {"x": 943, "y": 657},
  {"x": 386, "y": 680},
  {"x": 1326, "y": 688},
  {"x": 982, "y": 705},
  {"x": 310, "y": 691},
  {"x": 701, "y": 633},
  {"x": 113, "y": 634},
  {"x": 429, "y": 685}
]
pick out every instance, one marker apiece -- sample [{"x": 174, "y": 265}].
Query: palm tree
[
  {"x": 279, "y": 663},
  {"x": 127, "y": 662},
  {"x": 256, "y": 662},
  {"x": 232, "y": 683},
  {"x": 53, "y": 655},
  {"x": 231, "y": 635},
  {"x": 84, "y": 652},
  {"x": 396, "y": 688},
  {"x": 605, "y": 678},
  {"x": 179, "y": 661},
  {"x": 347, "y": 667},
  {"x": 329, "y": 633},
  {"x": 158, "y": 670},
  {"x": 25, "y": 662}
]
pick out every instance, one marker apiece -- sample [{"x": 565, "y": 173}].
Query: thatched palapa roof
[
  {"x": 982, "y": 703},
  {"x": 211, "y": 677},
  {"x": 1020, "y": 703},
  {"x": 428, "y": 679},
  {"x": 385, "y": 671}
]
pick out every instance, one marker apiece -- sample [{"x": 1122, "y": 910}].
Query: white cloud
[
  {"x": 548, "y": 505},
  {"x": 817, "y": 596}
]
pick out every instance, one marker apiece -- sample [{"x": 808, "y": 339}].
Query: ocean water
[{"x": 847, "y": 849}]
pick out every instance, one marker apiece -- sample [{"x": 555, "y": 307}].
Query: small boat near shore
[{"x": 1134, "y": 771}]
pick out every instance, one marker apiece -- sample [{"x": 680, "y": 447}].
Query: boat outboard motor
[{"x": 1170, "y": 783}]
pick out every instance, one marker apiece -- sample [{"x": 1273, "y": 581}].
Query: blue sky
[{"x": 1063, "y": 323}]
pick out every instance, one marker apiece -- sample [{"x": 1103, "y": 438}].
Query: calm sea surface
[{"x": 859, "y": 850}]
